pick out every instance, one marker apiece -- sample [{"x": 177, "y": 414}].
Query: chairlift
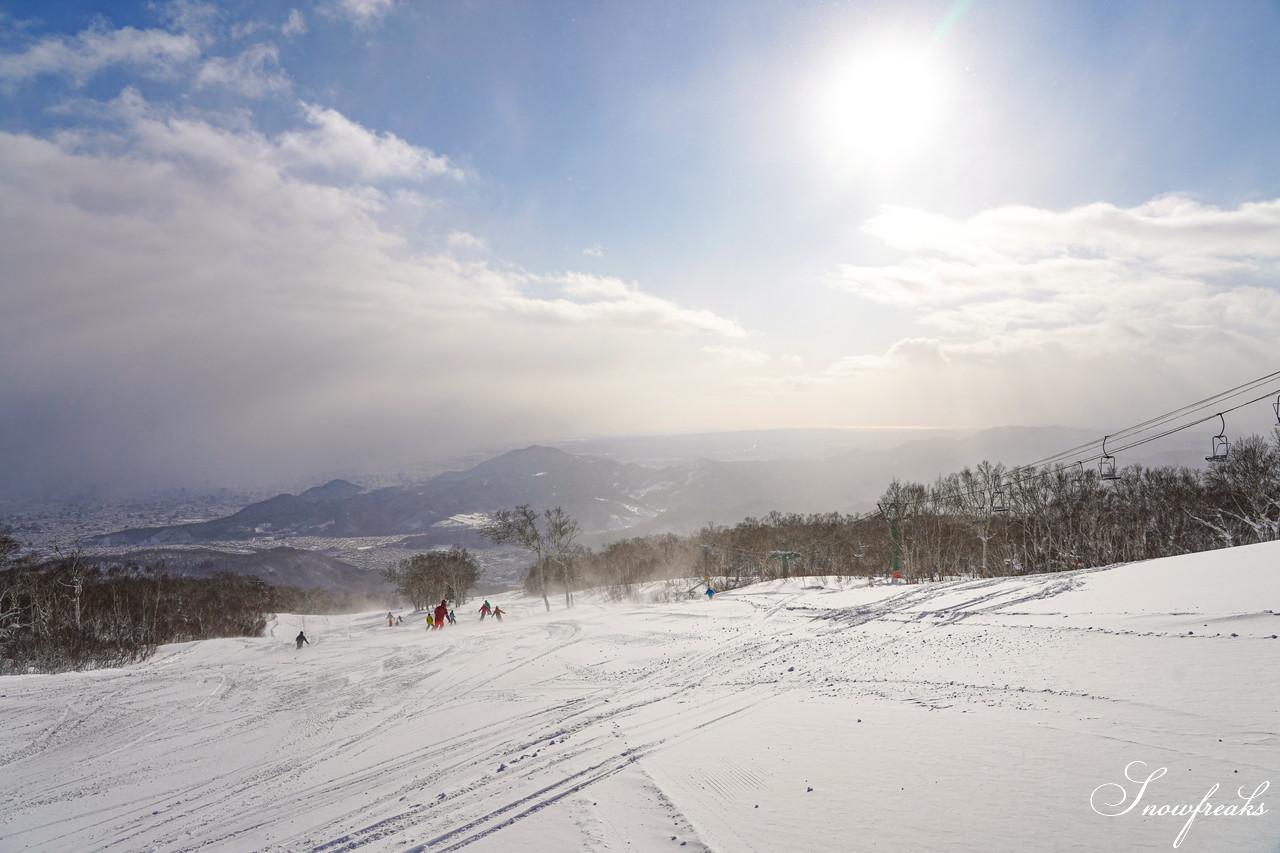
[
  {"x": 997, "y": 500},
  {"x": 1276, "y": 406},
  {"x": 1221, "y": 446},
  {"x": 1077, "y": 483},
  {"x": 1107, "y": 464}
]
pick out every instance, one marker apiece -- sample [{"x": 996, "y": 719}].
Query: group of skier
[
  {"x": 436, "y": 618},
  {"x": 443, "y": 615}
]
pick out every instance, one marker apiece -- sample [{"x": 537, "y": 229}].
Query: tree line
[
  {"x": 62, "y": 614},
  {"x": 984, "y": 521},
  {"x": 991, "y": 521}
]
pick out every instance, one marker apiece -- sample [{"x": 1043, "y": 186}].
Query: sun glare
[{"x": 879, "y": 105}]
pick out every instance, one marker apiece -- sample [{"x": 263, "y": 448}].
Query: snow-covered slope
[{"x": 997, "y": 715}]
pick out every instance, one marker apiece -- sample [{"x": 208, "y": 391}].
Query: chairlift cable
[
  {"x": 1038, "y": 471},
  {"x": 1200, "y": 405}
]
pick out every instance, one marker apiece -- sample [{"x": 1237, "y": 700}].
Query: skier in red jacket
[{"x": 442, "y": 613}]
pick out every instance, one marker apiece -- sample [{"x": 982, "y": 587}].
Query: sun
[{"x": 880, "y": 104}]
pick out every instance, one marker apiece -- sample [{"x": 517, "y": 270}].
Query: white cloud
[
  {"x": 81, "y": 57},
  {"x": 1172, "y": 231},
  {"x": 296, "y": 25},
  {"x": 362, "y": 13},
  {"x": 191, "y": 17},
  {"x": 254, "y": 73},
  {"x": 222, "y": 316},
  {"x": 464, "y": 240},
  {"x": 1092, "y": 317},
  {"x": 737, "y": 357},
  {"x": 909, "y": 352},
  {"x": 1019, "y": 274},
  {"x": 335, "y": 143},
  {"x": 595, "y": 251},
  {"x": 590, "y": 299}
]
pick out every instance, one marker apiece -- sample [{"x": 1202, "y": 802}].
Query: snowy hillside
[{"x": 996, "y": 715}]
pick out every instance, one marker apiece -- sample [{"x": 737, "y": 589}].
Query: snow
[
  {"x": 465, "y": 519},
  {"x": 813, "y": 714}
]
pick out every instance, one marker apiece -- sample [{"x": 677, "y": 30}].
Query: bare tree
[
  {"x": 552, "y": 542},
  {"x": 424, "y": 579},
  {"x": 561, "y": 531},
  {"x": 1244, "y": 490}
]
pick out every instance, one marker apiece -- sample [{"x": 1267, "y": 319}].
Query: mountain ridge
[{"x": 610, "y": 498}]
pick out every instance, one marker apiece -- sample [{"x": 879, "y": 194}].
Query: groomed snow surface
[{"x": 809, "y": 715}]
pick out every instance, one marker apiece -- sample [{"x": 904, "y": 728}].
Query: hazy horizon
[
  {"x": 670, "y": 449},
  {"x": 655, "y": 452}
]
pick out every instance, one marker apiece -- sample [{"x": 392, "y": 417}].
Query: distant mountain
[
  {"x": 600, "y": 493},
  {"x": 278, "y": 566},
  {"x": 377, "y": 513},
  {"x": 608, "y": 497},
  {"x": 334, "y": 490}
]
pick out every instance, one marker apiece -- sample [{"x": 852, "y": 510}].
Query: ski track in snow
[{"x": 511, "y": 735}]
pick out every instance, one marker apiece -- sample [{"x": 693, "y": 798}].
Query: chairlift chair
[
  {"x": 997, "y": 500},
  {"x": 1276, "y": 406},
  {"x": 1221, "y": 446},
  {"x": 1077, "y": 483},
  {"x": 1107, "y": 464}
]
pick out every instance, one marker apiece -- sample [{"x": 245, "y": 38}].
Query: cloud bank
[
  {"x": 1027, "y": 309},
  {"x": 195, "y": 300},
  {"x": 81, "y": 57}
]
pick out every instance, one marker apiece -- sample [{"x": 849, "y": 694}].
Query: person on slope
[
  {"x": 302, "y": 638},
  {"x": 453, "y": 620},
  {"x": 497, "y": 612},
  {"x": 485, "y": 611},
  {"x": 430, "y": 625},
  {"x": 710, "y": 593},
  {"x": 391, "y": 623},
  {"x": 442, "y": 613}
]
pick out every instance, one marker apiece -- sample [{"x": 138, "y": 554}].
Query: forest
[
  {"x": 984, "y": 521},
  {"x": 61, "y": 614}
]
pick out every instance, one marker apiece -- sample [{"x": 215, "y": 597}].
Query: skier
[
  {"x": 710, "y": 593},
  {"x": 485, "y": 611},
  {"x": 497, "y": 612},
  {"x": 391, "y": 623},
  {"x": 442, "y": 613},
  {"x": 453, "y": 620},
  {"x": 302, "y": 638},
  {"x": 399, "y": 620},
  {"x": 429, "y": 625}
]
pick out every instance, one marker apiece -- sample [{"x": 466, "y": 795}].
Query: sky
[{"x": 251, "y": 240}]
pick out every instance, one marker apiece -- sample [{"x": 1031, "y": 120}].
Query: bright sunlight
[{"x": 880, "y": 104}]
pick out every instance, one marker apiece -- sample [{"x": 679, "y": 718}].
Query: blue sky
[{"x": 256, "y": 239}]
